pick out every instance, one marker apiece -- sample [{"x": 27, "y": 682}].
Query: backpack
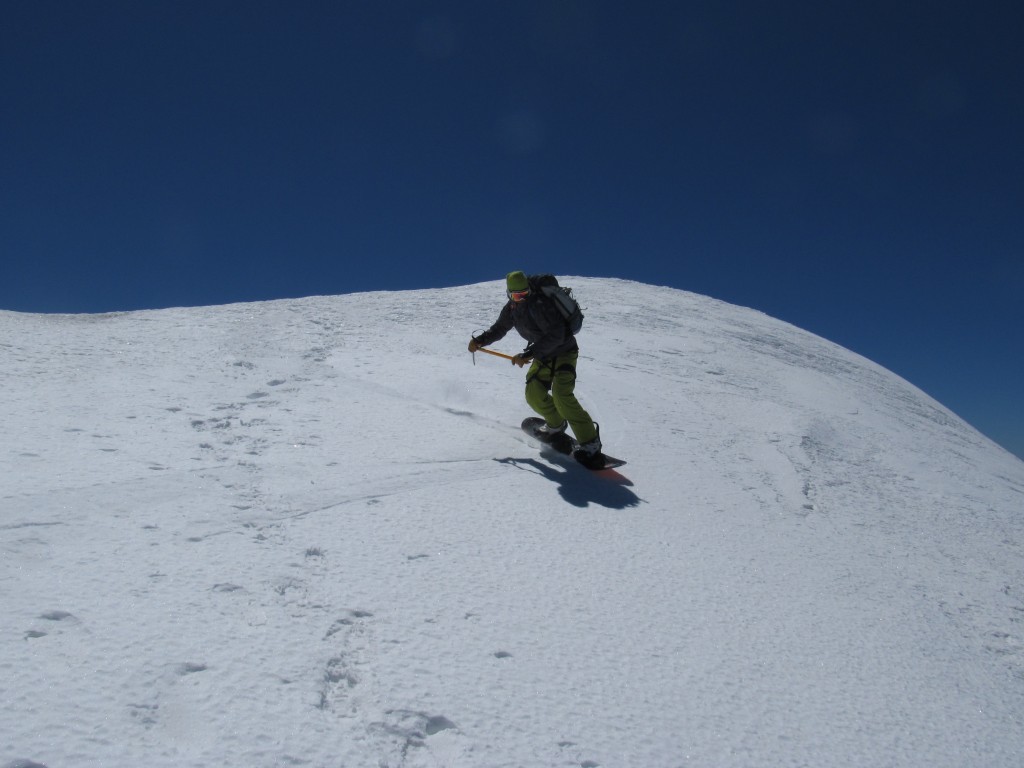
[{"x": 562, "y": 298}]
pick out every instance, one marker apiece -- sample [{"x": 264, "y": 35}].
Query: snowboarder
[{"x": 552, "y": 352}]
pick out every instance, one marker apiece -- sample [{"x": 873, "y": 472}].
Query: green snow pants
[{"x": 549, "y": 391}]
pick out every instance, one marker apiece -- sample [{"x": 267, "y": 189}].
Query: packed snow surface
[{"x": 311, "y": 533}]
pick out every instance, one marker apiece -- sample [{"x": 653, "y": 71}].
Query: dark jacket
[{"x": 539, "y": 322}]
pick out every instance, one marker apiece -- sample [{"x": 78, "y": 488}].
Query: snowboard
[{"x": 563, "y": 442}]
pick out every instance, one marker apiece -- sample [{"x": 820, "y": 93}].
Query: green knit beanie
[{"x": 516, "y": 281}]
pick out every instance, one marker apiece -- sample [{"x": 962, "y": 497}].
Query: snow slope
[{"x": 310, "y": 533}]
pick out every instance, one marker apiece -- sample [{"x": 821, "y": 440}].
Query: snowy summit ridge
[{"x": 311, "y": 532}]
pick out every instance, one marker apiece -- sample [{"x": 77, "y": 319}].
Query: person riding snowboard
[{"x": 551, "y": 379}]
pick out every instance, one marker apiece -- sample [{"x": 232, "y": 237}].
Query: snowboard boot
[
  {"x": 551, "y": 431},
  {"x": 589, "y": 453}
]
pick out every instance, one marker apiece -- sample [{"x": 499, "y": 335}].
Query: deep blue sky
[{"x": 856, "y": 168}]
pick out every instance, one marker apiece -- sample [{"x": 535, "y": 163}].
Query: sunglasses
[{"x": 519, "y": 295}]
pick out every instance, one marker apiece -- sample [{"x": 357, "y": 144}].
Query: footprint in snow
[
  {"x": 347, "y": 621},
  {"x": 347, "y": 637},
  {"x": 57, "y": 616},
  {"x": 406, "y": 729}
]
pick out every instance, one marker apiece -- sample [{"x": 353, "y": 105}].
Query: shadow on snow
[{"x": 579, "y": 486}]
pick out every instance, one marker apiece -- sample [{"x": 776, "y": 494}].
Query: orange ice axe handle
[{"x": 492, "y": 352}]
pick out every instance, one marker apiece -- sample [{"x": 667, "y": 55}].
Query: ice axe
[{"x": 491, "y": 352}]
